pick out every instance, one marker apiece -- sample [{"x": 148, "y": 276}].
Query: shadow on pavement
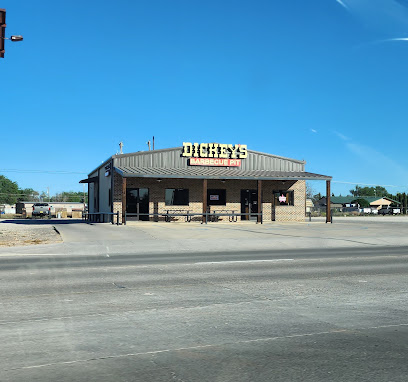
[{"x": 44, "y": 221}]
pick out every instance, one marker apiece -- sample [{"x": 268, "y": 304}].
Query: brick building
[{"x": 186, "y": 182}]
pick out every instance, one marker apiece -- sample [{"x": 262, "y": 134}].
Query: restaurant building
[{"x": 198, "y": 181}]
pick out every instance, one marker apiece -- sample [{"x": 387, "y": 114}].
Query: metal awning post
[
  {"x": 259, "y": 217},
  {"x": 123, "y": 200},
  {"x": 204, "y": 200},
  {"x": 328, "y": 203}
]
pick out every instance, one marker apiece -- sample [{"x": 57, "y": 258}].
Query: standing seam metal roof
[
  {"x": 173, "y": 159},
  {"x": 216, "y": 173}
]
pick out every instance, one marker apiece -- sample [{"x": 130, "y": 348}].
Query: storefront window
[
  {"x": 283, "y": 198},
  {"x": 176, "y": 197},
  {"x": 216, "y": 197}
]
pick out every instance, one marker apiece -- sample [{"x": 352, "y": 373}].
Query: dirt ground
[{"x": 12, "y": 234}]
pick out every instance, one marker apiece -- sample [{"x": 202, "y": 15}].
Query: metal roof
[
  {"x": 179, "y": 150},
  {"x": 94, "y": 179},
  {"x": 215, "y": 173},
  {"x": 172, "y": 159}
]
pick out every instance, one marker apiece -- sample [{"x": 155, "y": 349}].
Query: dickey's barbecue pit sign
[{"x": 214, "y": 154}]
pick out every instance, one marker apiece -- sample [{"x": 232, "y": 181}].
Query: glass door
[
  {"x": 249, "y": 204},
  {"x": 137, "y": 202}
]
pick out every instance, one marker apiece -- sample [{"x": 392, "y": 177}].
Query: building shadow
[{"x": 44, "y": 221}]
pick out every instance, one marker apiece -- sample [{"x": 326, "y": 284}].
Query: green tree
[
  {"x": 361, "y": 202},
  {"x": 70, "y": 196},
  {"x": 8, "y": 191},
  {"x": 44, "y": 196},
  {"x": 27, "y": 195},
  {"x": 317, "y": 197},
  {"x": 370, "y": 191}
]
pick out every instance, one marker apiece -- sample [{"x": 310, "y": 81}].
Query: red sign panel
[{"x": 215, "y": 162}]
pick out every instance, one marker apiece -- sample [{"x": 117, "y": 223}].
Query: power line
[{"x": 62, "y": 172}]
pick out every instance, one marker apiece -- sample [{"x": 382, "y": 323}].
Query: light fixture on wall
[
  {"x": 222, "y": 180},
  {"x": 159, "y": 180}
]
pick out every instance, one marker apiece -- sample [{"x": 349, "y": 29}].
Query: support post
[
  {"x": 328, "y": 203},
  {"x": 123, "y": 199},
  {"x": 204, "y": 200},
  {"x": 259, "y": 217}
]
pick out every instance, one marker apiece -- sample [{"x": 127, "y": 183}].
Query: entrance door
[
  {"x": 249, "y": 204},
  {"x": 137, "y": 202}
]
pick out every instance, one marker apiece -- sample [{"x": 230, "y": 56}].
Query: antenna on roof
[
  {"x": 153, "y": 142},
  {"x": 120, "y": 148}
]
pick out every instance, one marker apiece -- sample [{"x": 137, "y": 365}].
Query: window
[
  {"x": 283, "y": 198},
  {"x": 216, "y": 197},
  {"x": 176, "y": 197}
]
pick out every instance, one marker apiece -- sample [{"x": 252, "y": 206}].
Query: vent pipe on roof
[
  {"x": 148, "y": 144},
  {"x": 120, "y": 147}
]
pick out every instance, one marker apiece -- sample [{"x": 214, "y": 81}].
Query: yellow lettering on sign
[
  {"x": 203, "y": 150},
  {"x": 213, "y": 150},
  {"x": 195, "y": 150},
  {"x": 233, "y": 150},
  {"x": 187, "y": 149},
  {"x": 223, "y": 151},
  {"x": 243, "y": 153}
]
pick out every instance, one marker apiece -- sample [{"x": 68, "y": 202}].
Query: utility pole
[{"x": 3, "y": 33}]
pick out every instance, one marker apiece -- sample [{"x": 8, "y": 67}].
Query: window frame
[{"x": 174, "y": 198}]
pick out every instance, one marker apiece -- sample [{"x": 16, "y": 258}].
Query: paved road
[{"x": 337, "y": 314}]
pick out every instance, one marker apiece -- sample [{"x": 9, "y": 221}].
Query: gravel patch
[{"x": 12, "y": 235}]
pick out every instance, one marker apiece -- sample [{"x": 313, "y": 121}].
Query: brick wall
[
  {"x": 296, "y": 212},
  {"x": 233, "y": 191}
]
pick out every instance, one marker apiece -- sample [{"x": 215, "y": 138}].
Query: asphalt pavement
[{"x": 96, "y": 309}]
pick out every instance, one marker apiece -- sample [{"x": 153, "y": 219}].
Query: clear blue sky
[{"x": 317, "y": 80}]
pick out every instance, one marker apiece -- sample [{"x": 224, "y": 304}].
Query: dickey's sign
[{"x": 214, "y": 154}]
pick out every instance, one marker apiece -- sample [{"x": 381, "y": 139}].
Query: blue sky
[{"x": 320, "y": 80}]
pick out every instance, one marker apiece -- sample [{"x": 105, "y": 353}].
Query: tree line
[
  {"x": 11, "y": 193},
  {"x": 377, "y": 191}
]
